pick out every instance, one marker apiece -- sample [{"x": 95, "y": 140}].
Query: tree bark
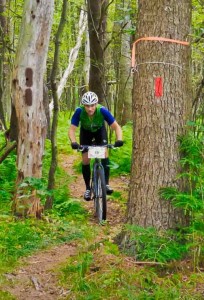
[
  {"x": 72, "y": 56},
  {"x": 73, "y": 53},
  {"x": 97, "y": 26},
  {"x": 198, "y": 105},
  {"x": 46, "y": 108},
  {"x": 27, "y": 94},
  {"x": 161, "y": 106},
  {"x": 53, "y": 166},
  {"x": 87, "y": 61},
  {"x": 5, "y": 151},
  {"x": 2, "y": 62},
  {"x": 121, "y": 57}
]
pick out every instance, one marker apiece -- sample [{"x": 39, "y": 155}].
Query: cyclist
[{"x": 92, "y": 117}]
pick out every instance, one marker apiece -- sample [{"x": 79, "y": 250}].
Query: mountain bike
[{"x": 98, "y": 184}]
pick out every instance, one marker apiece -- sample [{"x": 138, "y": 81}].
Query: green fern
[{"x": 191, "y": 200}]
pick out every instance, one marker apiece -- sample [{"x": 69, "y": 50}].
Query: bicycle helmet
[{"x": 89, "y": 98}]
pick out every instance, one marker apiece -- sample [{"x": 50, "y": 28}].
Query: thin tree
[
  {"x": 82, "y": 25},
  {"x": 73, "y": 52},
  {"x": 161, "y": 106},
  {"x": 27, "y": 96},
  {"x": 121, "y": 57},
  {"x": 53, "y": 79}
]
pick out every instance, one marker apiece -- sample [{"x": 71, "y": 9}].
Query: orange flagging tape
[{"x": 154, "y": 38}]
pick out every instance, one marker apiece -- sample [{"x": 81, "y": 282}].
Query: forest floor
[{"x": 38, "y": 275}]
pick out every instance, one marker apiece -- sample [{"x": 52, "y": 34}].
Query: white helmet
[{"x": 89, "y": 98}]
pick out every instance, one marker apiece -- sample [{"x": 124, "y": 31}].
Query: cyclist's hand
[
  {"x": 75, "y": 145},
  {"x": 118, "y": 143}
]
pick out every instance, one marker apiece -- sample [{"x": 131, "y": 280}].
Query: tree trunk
[
  {"x": 125, "y": 81},
  {"x": 72, "y": 56},
  {"x": 13, "y": 130},
  {"x": 161, "y": 105},
  {"x": 73, "y": 53},
  {"x": 53, "y": 166},
  {"x": 121, "y": 57},
  {"x": 27, "y": 93},
  {"x": 97, "y": 25},
  {"x": 46, "y": 108},
  {"x": 86, "y": 61},
  {"x": 5, "y": 151},
  {"x": 2, "y": 61}
]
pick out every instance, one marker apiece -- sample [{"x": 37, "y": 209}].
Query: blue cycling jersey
[{"x": 108, "y": 117}]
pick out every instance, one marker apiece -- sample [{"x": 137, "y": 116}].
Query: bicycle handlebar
[{"x": 86, "y": 147}]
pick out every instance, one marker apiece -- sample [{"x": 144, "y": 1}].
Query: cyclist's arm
[
  {"x": 112, "y": 123},
  {"x": 72, "y": 133},
  {"x": 118, "y": 130},
  {"x": 74, "y": 124}
]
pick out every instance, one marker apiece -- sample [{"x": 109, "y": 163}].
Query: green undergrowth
[
  {"x": 155, "y": 265},
  {"x": 101, "y": 272},
  {"x": 120, "y": 158},
  {"x": 150, "y": 244},
  {"x": 163, "y": 264},
  {"x": 63, "y": 142},
  {"x": 190, "y": 198},
  {"x": 7, "y": 178},
  {"x": 6, "y": 296},
  {"x": 22, "y": 237},
  {"x": 119, "y": 197}
]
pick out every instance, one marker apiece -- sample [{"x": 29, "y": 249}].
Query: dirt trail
[{"x": 37, "y": 278}]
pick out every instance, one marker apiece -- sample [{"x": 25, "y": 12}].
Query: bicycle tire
[{"x": 100, "y": 195}]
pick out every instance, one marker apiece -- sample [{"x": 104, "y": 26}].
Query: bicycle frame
[
  {"x": 98, "y": 185},
  {"x": 98, "y": 190}
]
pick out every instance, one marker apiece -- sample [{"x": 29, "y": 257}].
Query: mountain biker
[{"x": 92, "y": 117}]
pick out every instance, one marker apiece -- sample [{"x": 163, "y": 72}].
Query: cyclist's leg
[
  {"x": 85, "y": 139},
  {"x": 86, "y": 170},
  {"x": 106, "y": 165},
  {"x": 102, "y": 139}
]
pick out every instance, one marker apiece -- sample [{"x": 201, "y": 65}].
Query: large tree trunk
[
  {"x": 161, "y": 105},
  {"x": 2, "y": 61},
  {"x": 27, "y": 93},
  {"x": 97, "y": 11}
]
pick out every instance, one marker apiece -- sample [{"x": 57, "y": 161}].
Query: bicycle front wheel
[{"x": 100, "y": 196}]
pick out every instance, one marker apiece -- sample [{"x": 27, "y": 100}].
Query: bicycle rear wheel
[{"x": 100, "y": 195}]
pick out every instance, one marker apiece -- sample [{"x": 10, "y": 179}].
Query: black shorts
[{"x": 98, "y": 137}]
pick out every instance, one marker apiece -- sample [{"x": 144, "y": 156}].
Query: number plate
[{"x": 96, "y": 152}]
